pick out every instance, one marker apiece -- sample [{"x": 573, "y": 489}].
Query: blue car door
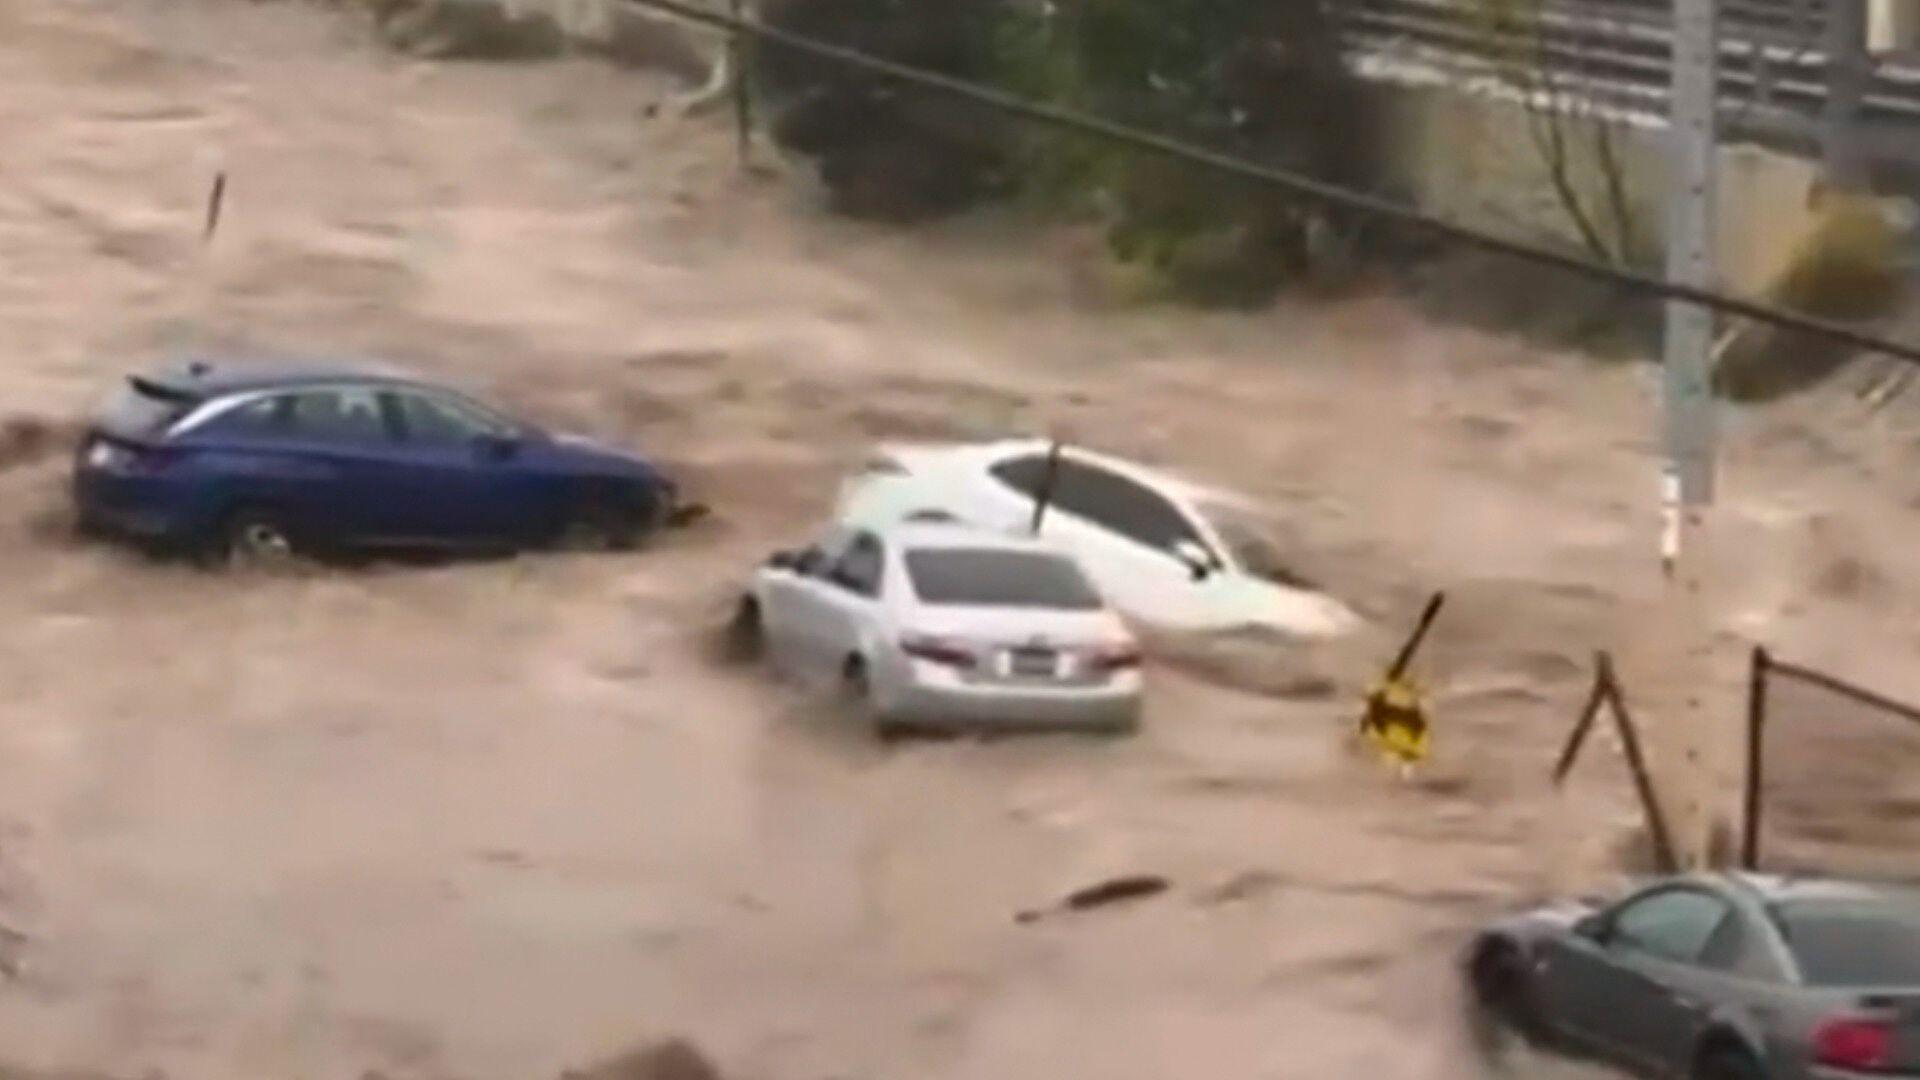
[
  {"x": 344, "y": 489},
  {"x": 468, "y": 477}
]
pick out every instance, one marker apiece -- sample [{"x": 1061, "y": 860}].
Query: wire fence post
[
  {"x": 1663, "y": 850},
  {"x": 1578, "y": 737},
  {"x": 1756, "y": 756}
]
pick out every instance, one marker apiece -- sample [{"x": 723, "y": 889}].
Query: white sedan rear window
[{"x": 995, "y": 577}]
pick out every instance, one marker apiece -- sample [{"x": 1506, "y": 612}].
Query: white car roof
[
  {"x": 999, "y": 449},
  {"x": 917, "y": 534},
  {"x": 909, "y": 533}
]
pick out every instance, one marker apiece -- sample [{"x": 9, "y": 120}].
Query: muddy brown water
[{"x": 496, "y": 820}]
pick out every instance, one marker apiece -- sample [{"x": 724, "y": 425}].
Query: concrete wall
[
  {"x": 1893, "y": 25},
  {"x": 1473, "y": 159}
]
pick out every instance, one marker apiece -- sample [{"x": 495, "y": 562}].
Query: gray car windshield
[
  {"x": 988, "y": 577},
  {"x": 1853, "y": 944}
]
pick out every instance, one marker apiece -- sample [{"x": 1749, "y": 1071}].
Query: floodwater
[{"x": 486, "y": 821}]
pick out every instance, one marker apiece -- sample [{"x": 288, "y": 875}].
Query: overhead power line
[{"x": 1319, "y": 190}]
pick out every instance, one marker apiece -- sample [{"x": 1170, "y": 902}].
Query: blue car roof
[{"x": 204, "y": 377}]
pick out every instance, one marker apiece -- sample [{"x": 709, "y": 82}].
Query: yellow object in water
[{"x": 1396, "y": 721}]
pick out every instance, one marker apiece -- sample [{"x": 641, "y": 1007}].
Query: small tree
[
  {"x": 884, "y": 149},
  {"x": 1252, "y": 78},
  {"x": 1577, "y": 142}
]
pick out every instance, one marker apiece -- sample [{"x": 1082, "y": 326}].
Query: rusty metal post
[
  {"x": 1663, "y": 848},
  {"x": 1756, "y": 756},
  {"x": 1578, "y": 737}
]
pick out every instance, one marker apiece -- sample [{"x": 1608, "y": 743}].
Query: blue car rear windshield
[
  {"x": 995, "y": 577},
  {"x": 135, "y": 413},
  {"x": 1855, "y": 944}
]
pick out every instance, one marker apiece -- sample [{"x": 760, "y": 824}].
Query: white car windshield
[{"x": 997, "y": 577}]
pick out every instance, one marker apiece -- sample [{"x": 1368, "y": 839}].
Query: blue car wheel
[
  {"x": 605, "y": 523},
  {"x": 250, "y": 535}
]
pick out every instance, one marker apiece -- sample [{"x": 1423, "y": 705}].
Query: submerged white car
[
  {"x": 936, "y": 625},
  {"x": 1163, "y": 551}
]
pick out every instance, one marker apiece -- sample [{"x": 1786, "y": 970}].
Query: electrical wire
[{"x": 1308, "y": 187}]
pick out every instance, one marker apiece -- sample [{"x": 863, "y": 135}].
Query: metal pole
[
  {"x": 1047, "y": 482},
  {"x": 1405, "y": 656},
  {"x": 216, "y": 199},
  {"x": 1690, "y": 250},
  {"x": 1690, "y": 421},
  {"x": 1849, "y": 69},
  {"x": 742, "y": 106}
]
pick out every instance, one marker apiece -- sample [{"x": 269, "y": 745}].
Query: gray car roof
[{"x": 1782, "y": 888}]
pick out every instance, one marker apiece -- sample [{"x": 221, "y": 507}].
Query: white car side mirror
[{"x": 1199, "y": 562}]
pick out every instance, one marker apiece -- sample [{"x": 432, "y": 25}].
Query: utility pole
[
  {"x": 1686, "y": 727},
  {"x": 736, "y": 61},
  {"x": 1849, "y": 70}
]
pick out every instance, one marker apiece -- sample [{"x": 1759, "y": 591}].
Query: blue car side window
[
  {"x": 431, "y": 420},
  {"x": 349, "y": 416},
  {"x": 261, "y": 418}
]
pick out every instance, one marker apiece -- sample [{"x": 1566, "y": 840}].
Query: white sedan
[
  {"x": 1162, "y": 550},
  {"x": 938, "y": 625}
]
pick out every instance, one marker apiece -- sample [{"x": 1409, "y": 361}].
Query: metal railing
[
  {"x": 1827, "y": 776},
  {"x": 1616, "y": 54}
]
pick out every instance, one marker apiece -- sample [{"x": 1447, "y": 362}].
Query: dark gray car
[{"x": 1718, "y": 977}]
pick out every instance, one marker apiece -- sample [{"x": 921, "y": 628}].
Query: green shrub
[
  {"x": 886, "y": 150},
  {"x": 1250, "y": 78},
  {"x": 1262, "y": 79},
  {"x": 1847, "y": 269}
]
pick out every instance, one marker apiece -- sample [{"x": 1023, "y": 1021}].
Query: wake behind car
[
  {"x": 926, "y": 624},
  {"x": 264, "y": 458},
  {"x": 1718, "y": 977}
]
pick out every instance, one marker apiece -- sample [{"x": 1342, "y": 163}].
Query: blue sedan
[{"x": 261, "y": 459}]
